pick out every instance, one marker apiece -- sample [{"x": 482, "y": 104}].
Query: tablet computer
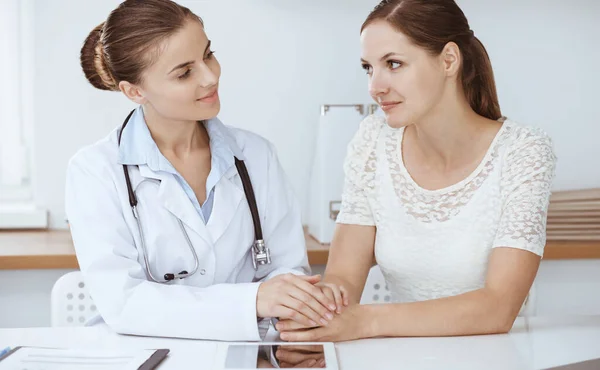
[
  {"x": 584, "y": 365},
  {"x": 275, "y": 355}
]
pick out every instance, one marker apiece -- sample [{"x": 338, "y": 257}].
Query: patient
[{"x": 447, "y": 195}]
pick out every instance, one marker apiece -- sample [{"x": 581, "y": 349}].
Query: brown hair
[
  {"x": 119, "y": 49},
  {"x": 431, "y": 24}
]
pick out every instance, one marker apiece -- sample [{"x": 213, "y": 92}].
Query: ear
[
  {"x": 133, "y": 92},
  {"x": 451, "y": 58}
]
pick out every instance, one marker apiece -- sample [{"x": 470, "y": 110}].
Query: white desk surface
[{"x": 533, "y": 343}]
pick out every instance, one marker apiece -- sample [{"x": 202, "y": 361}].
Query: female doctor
[{"x": 165, "y": 220}]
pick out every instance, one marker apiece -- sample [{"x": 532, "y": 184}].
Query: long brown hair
[
  {"x": 120, "y": 48},
  {"x": 431, "y": 24}
]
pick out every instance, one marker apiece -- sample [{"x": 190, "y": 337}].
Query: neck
[
  {"x": 177, "y": 137},
  {"x": 446, "y": 135}
]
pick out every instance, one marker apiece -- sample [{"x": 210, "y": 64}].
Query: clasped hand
[{"x": 302, "y": 299}]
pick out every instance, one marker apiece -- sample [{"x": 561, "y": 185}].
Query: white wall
[
  {"x": 280, "y": 61},
  {"x": 283, "y": 59}
]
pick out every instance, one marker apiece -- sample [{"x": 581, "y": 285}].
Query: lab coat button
[{"x": 202, "y": 272}]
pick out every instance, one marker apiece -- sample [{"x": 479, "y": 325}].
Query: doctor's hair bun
[
  {"x": 94, "y": 61},
  {"x": 130, "y": 40}
]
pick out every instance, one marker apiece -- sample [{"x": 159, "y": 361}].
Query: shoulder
[
  {"x": 99, "y": 157},
  {"x": 529, "y": 154},
  {"x": 252, "y": 145},
  {"x": 362, "y": 146},
  {"x": 528, "y": 141},
  {"x": 370, "y": 127},
  {"x": 365, "y": 139}
]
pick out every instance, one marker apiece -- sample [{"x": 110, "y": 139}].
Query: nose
[
  {"x": 207, "y": 77},
  {"x": 378, "y": 85}
]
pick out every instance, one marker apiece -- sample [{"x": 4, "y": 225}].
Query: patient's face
[{"x": 400, "y": 73}]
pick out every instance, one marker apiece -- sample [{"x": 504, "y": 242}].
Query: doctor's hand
[{"x": 295, "y": 298}]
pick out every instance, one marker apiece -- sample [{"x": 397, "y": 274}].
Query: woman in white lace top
[{"x": 447, "y": 196}]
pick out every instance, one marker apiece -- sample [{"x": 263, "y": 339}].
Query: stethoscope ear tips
[{"x": 169, "y": 277}]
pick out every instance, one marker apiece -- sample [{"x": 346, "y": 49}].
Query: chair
[
  {"x": 376, "y": 291},
  {"x": 71, "y": 304}
]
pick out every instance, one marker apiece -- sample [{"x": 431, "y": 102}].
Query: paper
[{"x": 31, "y": 358}]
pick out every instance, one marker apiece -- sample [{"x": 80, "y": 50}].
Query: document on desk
[{"x": 32, "y": 358}]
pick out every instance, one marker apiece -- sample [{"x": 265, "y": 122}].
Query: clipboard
[{"x": 150, "y": 364}]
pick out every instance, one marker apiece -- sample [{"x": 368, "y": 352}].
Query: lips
[
  {"x": 387, "y": 105},
  {"x": 209, "y": 97}
]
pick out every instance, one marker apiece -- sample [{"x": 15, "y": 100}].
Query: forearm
[{"x": 476, "y": 312}]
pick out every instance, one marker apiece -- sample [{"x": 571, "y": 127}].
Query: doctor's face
[
  {"x": 405, "y": 80},
  {"x": 183, "y": 81}
]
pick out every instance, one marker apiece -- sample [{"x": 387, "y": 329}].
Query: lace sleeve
[
  {"x": 526, "y": 186},
  {"x": 359, "y": 169}
]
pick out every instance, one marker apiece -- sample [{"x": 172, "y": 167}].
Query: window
[{"x": 16, "y": 92}]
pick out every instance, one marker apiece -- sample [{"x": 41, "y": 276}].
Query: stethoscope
[{"x": 261, "y": 255}]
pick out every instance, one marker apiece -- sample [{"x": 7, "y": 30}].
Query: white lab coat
[{"x": 219, "y": 301}]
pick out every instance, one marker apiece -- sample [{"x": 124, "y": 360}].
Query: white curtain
[{"x": 14, "y": 70}]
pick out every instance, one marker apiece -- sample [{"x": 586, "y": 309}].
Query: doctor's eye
[
  {"x": 394, "y": 64},
  {"x": 185, "y": 75}
]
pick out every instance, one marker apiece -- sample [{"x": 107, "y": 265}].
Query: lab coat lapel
[
  {"x": 174, "y": 199},
  {"x": 228, "y": 196}
]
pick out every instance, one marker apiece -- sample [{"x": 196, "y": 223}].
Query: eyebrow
[
  {"x": 185, "y": 64},
  {"x": 382, "y": 58}
]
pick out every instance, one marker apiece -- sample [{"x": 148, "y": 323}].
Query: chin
[
  {"x": 206, "y": 113},
  {"x": 397, "y": 120}
]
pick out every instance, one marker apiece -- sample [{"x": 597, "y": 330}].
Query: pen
[{"x": 4, "y": 351}]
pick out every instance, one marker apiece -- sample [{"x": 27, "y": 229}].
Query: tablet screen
[{"x": 275, "y": 356}]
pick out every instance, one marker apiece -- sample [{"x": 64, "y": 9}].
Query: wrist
[
  {"x": 259, "y": 308},
  {"x": 368, "y": 315}
]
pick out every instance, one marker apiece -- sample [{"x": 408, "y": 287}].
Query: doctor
[{"x": 173, "y": 237}]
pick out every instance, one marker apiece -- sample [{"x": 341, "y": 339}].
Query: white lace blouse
[{"x": 436, "y": 243}]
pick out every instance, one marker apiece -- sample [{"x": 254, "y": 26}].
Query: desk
[
  {"x": 533, "y": 343},
  {"x": 23, "y": 250}
]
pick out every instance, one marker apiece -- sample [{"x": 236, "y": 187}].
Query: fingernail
[
  {"x": 339, "y": 310},
  {"x": 323, "y": 321},
  {"x": 284, "y": 336},
  {"x": 322, "y": 362},
  {"x": 332, "y": 307},
  {"x": 313, "y": 323},
  {"x": 329, "y": 316},
  {"x": 312, "y": 362}
]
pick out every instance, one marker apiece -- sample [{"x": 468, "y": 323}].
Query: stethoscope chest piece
[{"x": 261, "y": 254}]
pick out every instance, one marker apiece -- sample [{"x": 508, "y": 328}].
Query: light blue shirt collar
[{"x": 138, "y": 148}]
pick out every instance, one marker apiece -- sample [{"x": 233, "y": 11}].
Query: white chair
[
  {"x": 71, "y": 304},
  {"x": 376, "y": 291}
]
